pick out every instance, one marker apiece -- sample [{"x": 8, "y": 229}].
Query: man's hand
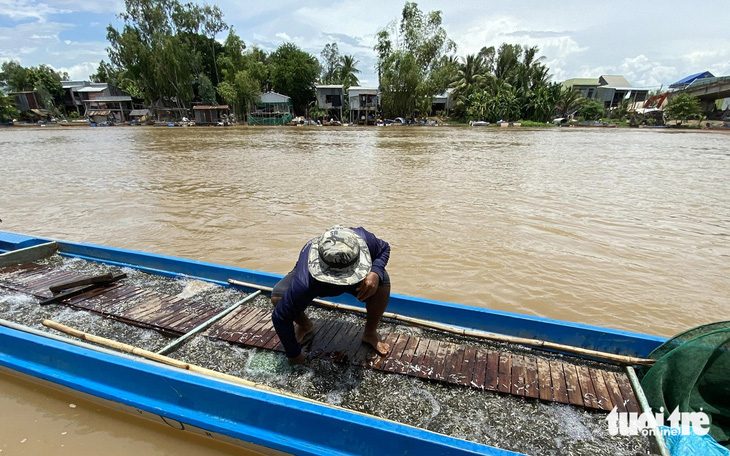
[
  {"x": 368, "y": 286},
  {"x": 299, "y": 359}
]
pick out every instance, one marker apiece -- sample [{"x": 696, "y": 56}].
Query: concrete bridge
[{"x": 707, "y": 90}]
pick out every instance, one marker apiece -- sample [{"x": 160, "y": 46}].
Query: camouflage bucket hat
[{"x": 339, "y": 256}]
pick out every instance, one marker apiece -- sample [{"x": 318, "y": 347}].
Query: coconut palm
[{"x": 347, "y": 70}]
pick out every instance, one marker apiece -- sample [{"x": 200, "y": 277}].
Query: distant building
[
  {"x": 30, "y": 103},
  {"x": 364, "y": 103},
  {"x": 273, "y": 109},
  {"x": 210, "y": 115},
  {"x": 331, "y": 98},
  {"x": 608, "y": 89},
  {"x": 443, "y": 102},
  {"x": 97, "y": 100}
]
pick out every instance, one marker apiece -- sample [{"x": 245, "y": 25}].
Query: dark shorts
[{"x": 283, "y": 284}]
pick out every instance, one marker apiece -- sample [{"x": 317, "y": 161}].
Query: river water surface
[{"x": 628, "y": 229}]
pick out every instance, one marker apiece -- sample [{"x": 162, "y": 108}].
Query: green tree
[
  {"x": 15, "y": 78},
  {"x": 569, "y": 100},
  {"x": 348, "y": 71},
  {"x": 591, "y": 110},
  {"x": 206, "y": 90},
  {"x": 7, "y": 108},
  {"x": 163, "y": 45},
  {"x": 294, "y": 73},
  {"x": 331, "y": 64},
  {"x": 400, "y": 80},
  {"x": 683, "y": 107},
  {"x": 413, "y": 62}
]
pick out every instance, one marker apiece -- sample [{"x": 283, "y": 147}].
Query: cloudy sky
[{"x": 650, "y": 43}]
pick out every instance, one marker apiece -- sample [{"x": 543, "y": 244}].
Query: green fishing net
[{"x": 692, "y": 372}]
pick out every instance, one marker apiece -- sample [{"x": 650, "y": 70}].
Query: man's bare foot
[
  {"x": 374, "y": 340},
  {"x": 302, "y": 331}
]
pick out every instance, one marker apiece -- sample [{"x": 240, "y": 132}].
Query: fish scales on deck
[{"x": 517, "y": 374}]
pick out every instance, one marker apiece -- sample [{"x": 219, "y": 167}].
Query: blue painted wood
[
  {"x": 251, "y": 415},
  {"x": 568, "y": 333}
]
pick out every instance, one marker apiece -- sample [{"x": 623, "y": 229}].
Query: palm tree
[
  {"x": 569, "y": 100},
  {"x": 348, "y": 69}
]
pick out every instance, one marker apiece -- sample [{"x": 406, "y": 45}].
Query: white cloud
[
  {"x": 81, "y": 71},
  {"x": 283, "y": 36}
]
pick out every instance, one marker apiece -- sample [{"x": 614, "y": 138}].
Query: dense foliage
[{"x": 684, "y": 107}]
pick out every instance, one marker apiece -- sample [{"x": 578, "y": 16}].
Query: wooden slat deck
[{"x": 524, "y": 375}]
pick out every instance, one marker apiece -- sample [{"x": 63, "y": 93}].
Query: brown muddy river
[{"x": 628, "y": 229}]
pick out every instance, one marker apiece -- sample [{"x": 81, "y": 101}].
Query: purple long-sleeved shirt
[{"x": 304, "y": 288}]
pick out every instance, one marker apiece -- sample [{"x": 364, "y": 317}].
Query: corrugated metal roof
[
  {"x": 209, "y": 107},
  {"x": 615, "y": 80},
  {"x": 92, "y": 89},
  {"x": 140, "y": 112},
  {"x": 99, "y": 112},
  {"x": 114, "y": 99},
  {"x": 273, "y": 97},
  {"x": 580, "y": 82}
]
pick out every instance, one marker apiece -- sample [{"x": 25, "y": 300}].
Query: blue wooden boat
[{"x": 256, "y": 418}]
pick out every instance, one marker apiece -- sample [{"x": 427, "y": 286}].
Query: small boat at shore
[
  {"x": 478, "y": 123},
  {"x": 260, "y": 418}
]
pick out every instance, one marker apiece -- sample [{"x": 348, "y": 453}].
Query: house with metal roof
[
  {"x": 443, "y": 102},
  {"x": 30, "y": 103},
  {"x": 364, "y": 103},
  {"x": 272, "y": 109},
  {"x": 211, "y": 115},
  {"x": 331, "y": 99},
  {"x": 608, "y": 89}
]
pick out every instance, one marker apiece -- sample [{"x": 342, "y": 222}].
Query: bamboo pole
[
  {"x": 152, "y": 356},
  {"x": 536, "y": 343}
]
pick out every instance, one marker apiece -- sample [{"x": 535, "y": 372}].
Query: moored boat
[{"x": 247, "y": 415}]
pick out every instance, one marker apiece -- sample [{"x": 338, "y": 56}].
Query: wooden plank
[
  {"x": 504, "y": 382},
  {"x": 430, "y": 358},
  {"x": 77, "y": 291},
  {"x": 517, "y": 385},
  {"x": 393, "y": 360},
  {"x": 28, "y": 254},
  {"x": 67, "y": 284},
  {"x": 586, "y": 387},
  {"x": 614, "y": 391},
  {"x": 491, "y": 378},
  {"x": 440, "y": 359},
  {"x": 453, "y": 364},
  {"x": 403, "y": 366},
  {"x": 572, "y": 384},
  {"x": 374, "y": 359},
  {"x": 546, "y": 383},
  {"x": 240, "y": 326},
  {"x": 560, "y": 394},
  {"x": 343, "y": 337},
  {"x": 532, "y": 384},
  {"x": 627, "y": 392},
  {"x": 466, "y": 373},
  {"x": 417, "y": 369},
  {"x": 339, "y": 350},
  {"x": 599, "y": 385},
  {"x": 480, "y": 368},
  {"x": 238, "y": 321},
  {"x": 248, "y": 334},
  {"x": 321, "y": 339}
]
